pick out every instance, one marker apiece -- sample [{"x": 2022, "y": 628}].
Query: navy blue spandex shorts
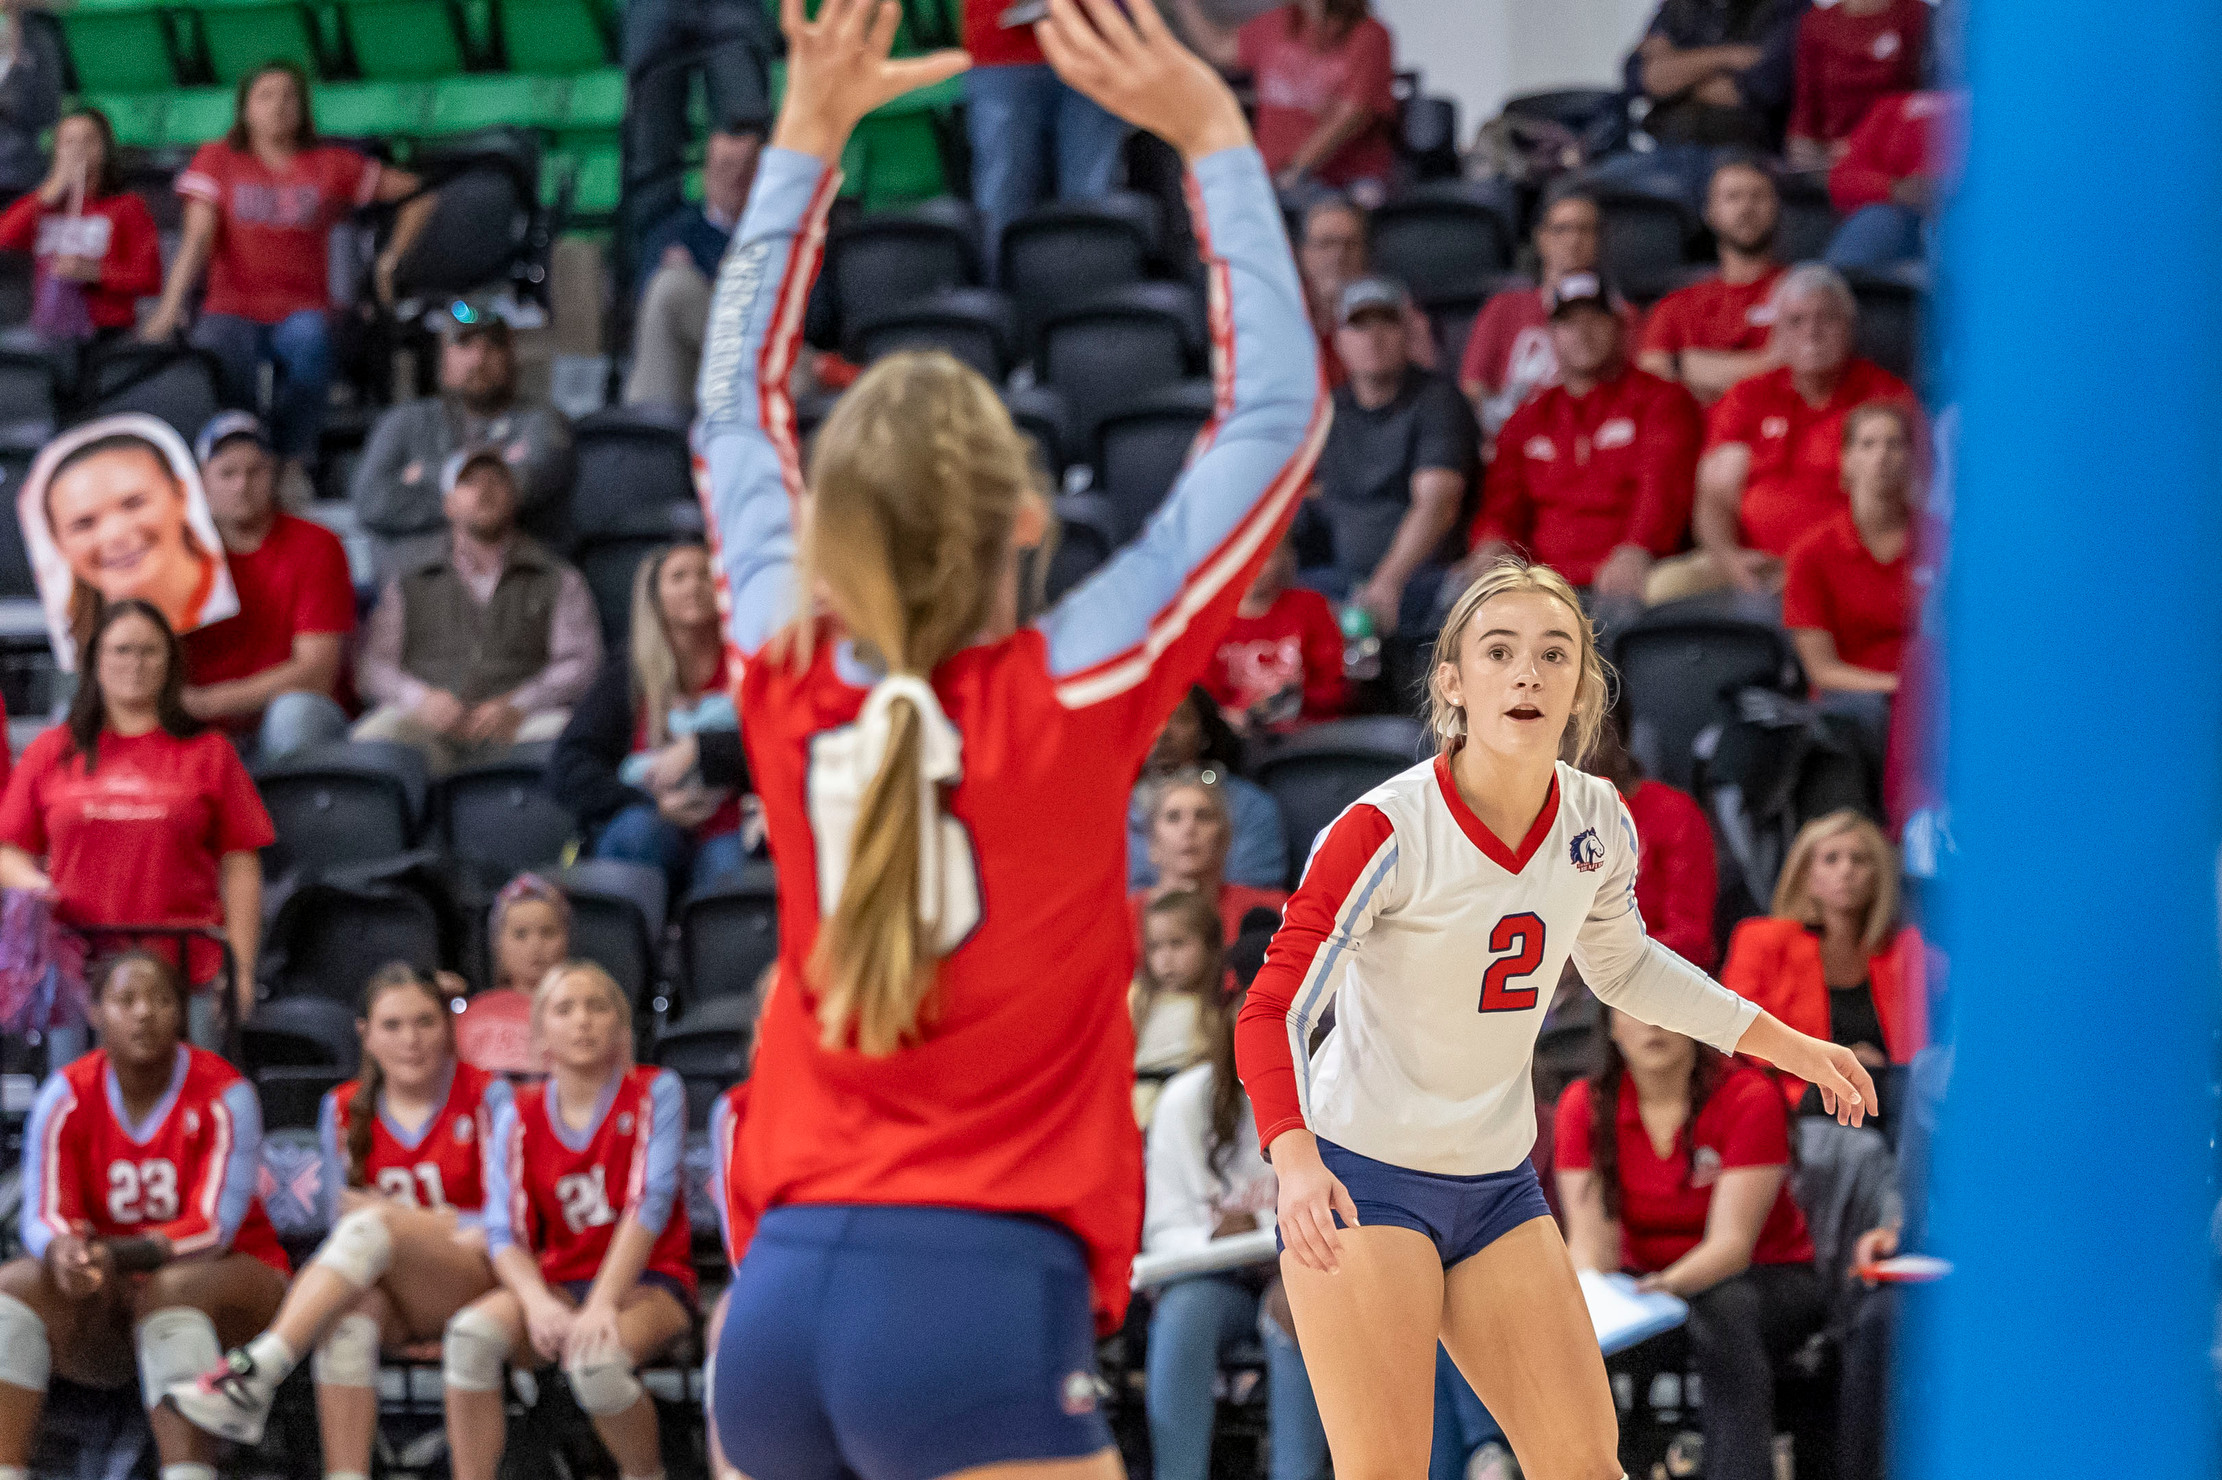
[
  {"x": 906, "y": 1343},
  {"x": 1461, "y": 1216}
]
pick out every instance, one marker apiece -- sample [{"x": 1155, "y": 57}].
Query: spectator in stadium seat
[
  {"x": 1677, "y": 877},
  {"x": 1190, "y": 831},
  {"x": 1399, "y": 459},
  {"x": 485, "y": 642},
  {"x": 141, "y": 816},
  {"x": 1331, "y": 254},
  {"x": 679, "y": 262},
  {"x": 1716, "y": 332},
  {"x": 1774, "y": 446},
  {"x": 530, "y": 930},
  {"x": 1197, "y": 737},
  {"x": 1887, "y": 184},
  {"x": 671, "y": 683},
  {"x": 87, "y": 234},
  {"x": 1850, "y": 55},
  {"x": 30, "y": 93},
  {"x": 664, "y": 43},
  {"x": 1718, "y": 76},
  {"x": 1178, "y": 981},
  {"x": 1830, "y": 958},
  {"x": 1324, "y": 71},
  {"x": 260, "y": 204},
  {"x": 269, "y": 676},
  {"x": 1029, "y": 131},
  {"x": 1281, "y": 663},
  {"x": 1847, "y": 587},
  {"x": 396, "y": 487},
  {"x": 1594, "y": 475},
  {"x": 1207, "y": 1180},
  {"x": 1672, "y": 1166},
  {"x": 1509, "y": 355}
]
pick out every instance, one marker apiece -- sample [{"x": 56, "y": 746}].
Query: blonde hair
[
  {"x": 1794, "y": 898},
  {"x": 1192, "y": 778},
  {"x": 917, "y": 480},
  {"x": 1200, "y": 917},
  {"x": 655, "y": 660},
  {"x": 616, "y": 994},
  {"x": 1592, "y": 695}
]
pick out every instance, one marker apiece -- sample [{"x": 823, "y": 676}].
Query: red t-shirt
[
  {"x": 1509, "y": 354},
  {"x": 137, "y": 841},
  {"x": 271, "y": 254},
  {"x": 1734, "y": 318},
  {"x": 118, "y": 230},
  {"x": 1677, "y": 880},
  {"x": 1911, "y": 134},
  {"x": 1664, "y": 1200},
  {"x": 1834, "y": 584},
  {"x": 992, "y": 45},
  {"x": 1297, "y": 85},
  {"x": 1575, "y": 476},
  {"x": 1796, "y": 448},
  {"x": 1845, "y": 62},
  {"x": 1296, "y": 643},
  {"x": 295, "y": 581},
  {"x": 1235, "y": 901}
]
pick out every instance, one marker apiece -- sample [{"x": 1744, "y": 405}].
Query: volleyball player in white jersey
[{"x": 1437, "y": 913}]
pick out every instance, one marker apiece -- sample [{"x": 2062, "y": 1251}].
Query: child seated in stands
[
  {"x": 404, "y": 1143},
  {"x": 1177, "y": 989},
  {"x": 1281, "y": 662},
  {"x": 145, "y": 1244},
  {"x": 589, "y": 1236},
  {"x": 528, "y": 933}
]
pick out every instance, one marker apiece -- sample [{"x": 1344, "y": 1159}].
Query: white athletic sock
[
  {"x": 345, "y": 1475},
  {"x": 14, "y": 1472},
  {"x": 188, "y": 1472},
  {"x": 274, "y": 1361}
]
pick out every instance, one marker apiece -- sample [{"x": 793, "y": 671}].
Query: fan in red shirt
[
  {"x": 1893, "y": 177},
  {"x": 274, "y": 669},
  {"x": 1715, "y": 332},
  {"x": 130, "y": 775},
  {"x": 1845, "y": 599},
  {"x": 1509, "y": 355},
  {"x": 1281, "y": 661},
  {"x": 1850, "y": 56},
  {"x": 85, "y": 230},
  {"x": 145, "y": 1244},
  {"x": 1594, "y": 475},
  {"x": 1672, "y": 1165},
  {"x": 1677, "y": 875},
  {"x": 1324, "y": 71}
]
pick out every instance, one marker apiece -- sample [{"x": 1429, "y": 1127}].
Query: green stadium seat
[
  {"x": 119, "y": 46},
  {"x": 403, "y": 40},
  {"x": 555, "y": 37},
  {"x": 597, "y": 100},
  {"x": 492, "y": 100},
  {"x": 196, "y": 115},
  {"x": 240, "y": 35},
  {"x": 366, "y": 110},
  {"x": 136, "y": 117},
  {"x": 599, "y": 181}
]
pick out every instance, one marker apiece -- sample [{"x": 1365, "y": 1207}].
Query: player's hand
[
  {"x": 1130, "y": 63},
  {"x": 1874, "y": 1246},
  {"x": 593, "y": 1333},
  {"x": 75, "y": 1266},
  {"x": 548, "y": 1323},
  {"x": 1847, "y": 1090},
  {"x": 838, "y": 70},
  {"x": 1311, "y": 1196}
]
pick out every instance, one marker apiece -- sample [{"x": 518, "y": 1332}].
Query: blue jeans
[
  {"x": 297, "y": 721},
  {"x": 300, "y": 345},
  {"x": 640, "y": 834},
  {"x": 1877, "y": 238},
  {"x": 665, "y": 42},
  {"x": 1682, "y": 172},
  {"x": 1195, "y": 1320},
  {"x": 1016, "y": 116},
  {"x": 1462, "y": 1425}
]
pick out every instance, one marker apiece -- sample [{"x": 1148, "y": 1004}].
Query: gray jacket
[{"x": 396, "y": 489}]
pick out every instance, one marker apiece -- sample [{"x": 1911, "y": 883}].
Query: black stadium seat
[
  {"x": 607, "y": 566},
  {"x": 634, "y": 479},
  {"x": 1679, "y": 674},
  {"x": 1808, "y": 219},
  {"x": 1059, "y": 256},
  {"x": 170, "y": 381},
  {"x": 1040, "y": 413},
  {"x": 1317, "y": 772},
  {"x": 1890, "y": 309},
  {"x": 1648, "y": 242},
  {"x": 498, "y": 819},
  {"x": 973, "y": 324},
  {"x": 29, "y": 399},
  {"x": 301, "y": 1032},
  {"x": 709, "y": 1051},
  {"x": 617, "y": 917},
  {"x": 1141, "y": 448},
  {"x": 1118, "y": 347},
  {"x": 1442, "y": 243},
  {"x": 15, "y": 558},
  {"x": 327, "y": 938},
  {"x": 1086, "y": 539},
  {"x": 340, "y": 804},
  {"x": 728, "y": 936},
  {"x": 885, "y": 262},
  {"x": 292, "y": 1094}
]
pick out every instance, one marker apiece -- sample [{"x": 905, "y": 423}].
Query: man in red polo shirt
[
  {"x": 1508, "y": 354},
  {"x": 273, "y": 671},
  {"x": 1769, "y": 474},
  {"x": 1594, "y": 475},
  {"x": 1714, "y": 333}
]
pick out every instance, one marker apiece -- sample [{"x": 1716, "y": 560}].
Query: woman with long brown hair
[{"x": 88, "y": 236}]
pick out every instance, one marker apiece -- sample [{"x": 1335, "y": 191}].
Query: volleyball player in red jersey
[
  {"x": 404, "y": 1143},
  {"x": 941, "y": 1131},
  {"x": 588, "y": 1231},
  {"x": 146, "y": 1244}
]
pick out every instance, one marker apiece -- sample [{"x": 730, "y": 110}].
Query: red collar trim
[{"x": 1481, "y": 837}]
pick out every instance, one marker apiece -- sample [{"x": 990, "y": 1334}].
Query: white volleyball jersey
[{"x": 1440, "y": 949}]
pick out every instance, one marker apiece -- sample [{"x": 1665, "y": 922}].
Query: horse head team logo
[{"x": 1586, "y": 853}]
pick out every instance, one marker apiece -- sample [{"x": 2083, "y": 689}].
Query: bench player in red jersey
[
  {"x": 146, "y": 1245},
  {"x": 941, "y": 1131},
  {"x": 404, "y": 1143}
]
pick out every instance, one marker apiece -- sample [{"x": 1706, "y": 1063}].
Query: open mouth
[{"x": 1523, "y": 712}]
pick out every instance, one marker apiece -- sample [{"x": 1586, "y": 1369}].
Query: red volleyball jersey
[
  {"x": 439, "y": 1164},
  {"x": 729, "y": 1183},
  {"x": 562, "y": 1192},
  {"x": 187, "y": 1172}
]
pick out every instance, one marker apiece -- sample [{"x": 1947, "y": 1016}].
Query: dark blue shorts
[
  {"x": 906, "y": 1343},
  {"x": 1461, "y": 1216},
  {"x": 577, "y": 1289}
]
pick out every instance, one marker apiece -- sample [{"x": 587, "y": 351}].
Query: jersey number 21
[{"x": 1522, "y": 935}]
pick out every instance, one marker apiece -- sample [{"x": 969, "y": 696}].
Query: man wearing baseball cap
[
  {"x": 271, "y": 675},
  {"x": 396, "y": 489}
]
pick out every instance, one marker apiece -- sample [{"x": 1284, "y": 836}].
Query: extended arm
[
  {"x": 1829, "y": 672},
  {"x": 1591, "y": 1237},
  {"x": 194, "y": 247}
]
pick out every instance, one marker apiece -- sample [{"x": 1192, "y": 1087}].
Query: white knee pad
[
  {"x": 26, "y": 1360},
  {"x": 176, "y": 1344},
  {"x": 348, "y": 1357},
  {"x": 359, "y": 1249},
  {"x": 472, "y": 1353},
  {"x": 604, "y": 1386}
]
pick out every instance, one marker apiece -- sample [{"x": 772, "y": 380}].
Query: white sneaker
[{"x": 226, "y": 1400}]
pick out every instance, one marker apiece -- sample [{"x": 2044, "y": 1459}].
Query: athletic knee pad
[
  {"x": 26, "y": 1360},
  {"x": 604, "y": 1386},
  {"x": 359, "y": 1249},
  {"x": 472, "y": 1353},
  {"x": 348, "y": 1357},
  {"x": 176, "y": 1344}
]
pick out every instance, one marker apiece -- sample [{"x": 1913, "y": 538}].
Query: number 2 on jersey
[{"x": 1522, "y": 935}]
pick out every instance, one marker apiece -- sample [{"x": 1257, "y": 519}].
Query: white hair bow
[{"x": 944, "y": 899}]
